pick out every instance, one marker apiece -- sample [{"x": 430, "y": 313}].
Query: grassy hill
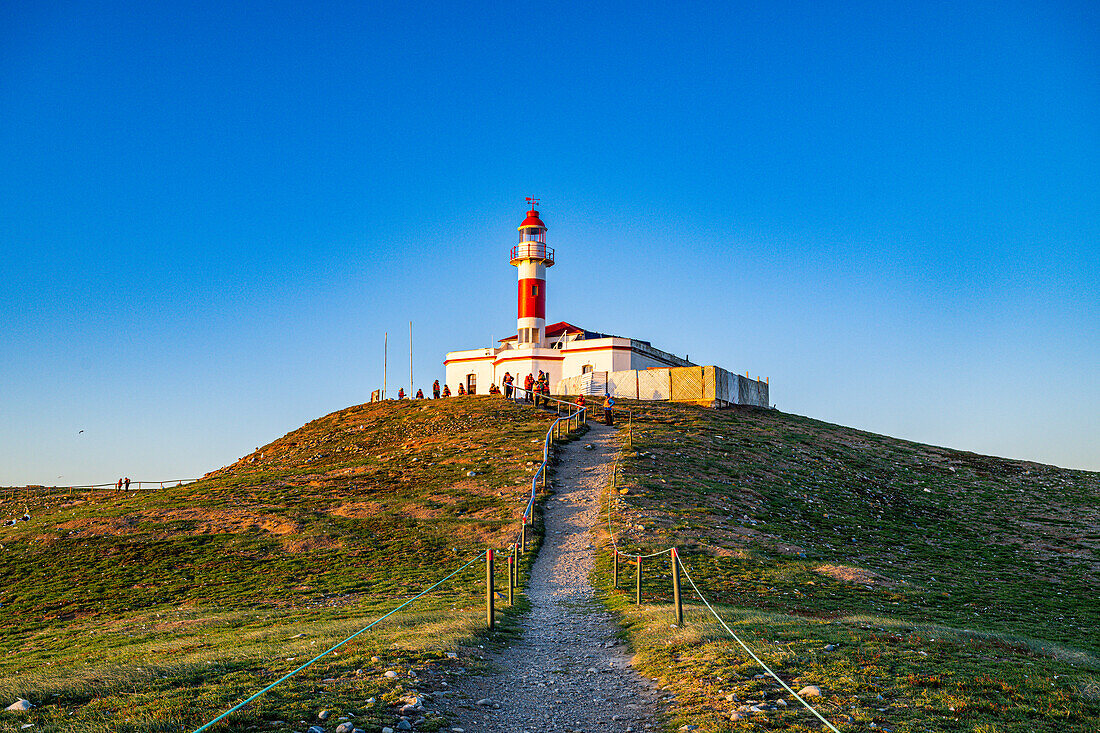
[
  {"x": 958, "y": 590},
  {"x": 155, "y": 611},
  {"x": 955, "y": 592}
]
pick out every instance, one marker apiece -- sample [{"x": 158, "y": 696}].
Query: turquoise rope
[{"x": 287, "y": 676}]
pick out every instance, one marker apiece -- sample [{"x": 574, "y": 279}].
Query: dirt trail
[{"x": 567, "y": 672}]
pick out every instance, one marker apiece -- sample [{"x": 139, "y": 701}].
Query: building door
[
  {"x": 586, "y": 369},
  {"x": 471, "y": 384}
]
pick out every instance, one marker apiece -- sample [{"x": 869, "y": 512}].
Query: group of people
[
  {"x": 123, "y": 483},
  {"x": 535, "y": 390}
]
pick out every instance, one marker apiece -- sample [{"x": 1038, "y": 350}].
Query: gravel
[{"x": 567, "y": 672}]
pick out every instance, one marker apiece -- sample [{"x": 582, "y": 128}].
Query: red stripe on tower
[{"x": 532, "y": 298}]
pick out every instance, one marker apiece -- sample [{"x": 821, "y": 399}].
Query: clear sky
[{"x": 211, "y": 212}]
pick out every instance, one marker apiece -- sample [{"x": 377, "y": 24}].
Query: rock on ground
[{"x": 566, "y": 672}]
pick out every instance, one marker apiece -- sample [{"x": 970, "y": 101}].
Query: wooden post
[
  {"x": 523, "y": 535},
  {"x": 511, "y": 580},
  {"x": 515, "y": 565},
  {"x": 614, "y": 568},
  {"x": 638, "y": 587},
  {"x": 676, "y": 588},
  {"x": 489, "y": 587}
]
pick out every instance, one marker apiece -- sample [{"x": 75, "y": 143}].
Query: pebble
[
  {"x": 345, "y": 728},
  {"x": 390, "y": 673},
  {"x": 316, "y": 729},
  {"x": 19, "y": 706},
  {"x": 484, "y": 701},
  {"x": 387, "y": 730},
  {"x": 323, "y": 715},
  {"x": 810, "y": 691},
  {"x": 404, "y": 725},
  {"x": 830, "y": 647}
]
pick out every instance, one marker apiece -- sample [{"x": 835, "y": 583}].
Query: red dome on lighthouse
[{"x": 532, "y": 220}]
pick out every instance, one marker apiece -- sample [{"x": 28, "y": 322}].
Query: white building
[{"x": 561, "y": 349}]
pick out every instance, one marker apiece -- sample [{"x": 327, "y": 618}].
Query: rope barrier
[
  {"x": 752, "y": 654},
  {"x": 611, "y": 533},
  {"x": 334, "y": 648},
  {"x": 615, "y": 549}
]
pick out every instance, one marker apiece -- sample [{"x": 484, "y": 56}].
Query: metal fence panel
[
  {"x": 623, "y": 384},
  {"x": 722, "y": 385},
  {"x": 653, "y": 384},
  {"x": 687, "y": 384},
  {"x": 709, "y": 383},
  {"x": 593, "y": 383}
]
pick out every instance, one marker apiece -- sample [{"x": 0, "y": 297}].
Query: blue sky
[{"x": 210, "y": 213}]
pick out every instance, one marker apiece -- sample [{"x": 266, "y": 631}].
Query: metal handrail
[
  {"x": 533, "y": 251},
  {"x": 134, "y": 485}
]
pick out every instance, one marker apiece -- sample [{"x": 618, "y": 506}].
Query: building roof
[
  {"x": 555, "y": 330},
  {"x": 532, "y": 220}
]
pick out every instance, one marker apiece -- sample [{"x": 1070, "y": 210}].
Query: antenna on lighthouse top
[{"x": 532, "y": 201}]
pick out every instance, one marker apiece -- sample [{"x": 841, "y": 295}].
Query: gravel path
[{"x": 567, "y": 672}]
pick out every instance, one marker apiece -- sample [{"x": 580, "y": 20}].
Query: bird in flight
[{"x": 80, "y": 432}]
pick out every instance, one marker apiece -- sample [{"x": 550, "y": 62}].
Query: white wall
[{"x": 472, "y": 361}]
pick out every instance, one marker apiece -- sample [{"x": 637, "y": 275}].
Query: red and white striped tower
[{"x": 531, "y": 256}]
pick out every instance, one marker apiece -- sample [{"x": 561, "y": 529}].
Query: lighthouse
[
  {"x": 570, "y": 355},
  {"x": 531, "y": 257}
]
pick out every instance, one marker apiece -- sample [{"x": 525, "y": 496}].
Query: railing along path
[{"x": 560, "y": 427}]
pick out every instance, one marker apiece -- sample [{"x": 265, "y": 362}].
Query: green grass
[
  {"x": 156, "y": 611},
  {"x": 958, "y": 587}
]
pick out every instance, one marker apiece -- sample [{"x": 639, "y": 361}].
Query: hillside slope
[
  {"x": 109, "y": 592},
  {"x": 941, "y": 576}
]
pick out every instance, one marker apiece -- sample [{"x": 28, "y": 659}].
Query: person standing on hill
[
  {"x": 461, "y": 390},
  {"x": 507, "y": 385},
  {"x": 419, "y": 394},
  {"x": 528, "y": 382},
  {"x": 435, "y": 390},
  {"x": 446, "y": 391},
  {"x": 118, "y": 486},
  {"x": 608, "y": 403},
  {"x": 126, "y": 483}
]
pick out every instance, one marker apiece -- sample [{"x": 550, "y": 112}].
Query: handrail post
[
  {"x": 676, "y": 588},
  {"x": 523, "y": 535},
  {"x": 511, "y": 580},
  {"x": 515, "y": 565},
  {"x": 638, "y": 586},
  {"x": 489, "y": 587},
  {"x": 614, "y": 568}
]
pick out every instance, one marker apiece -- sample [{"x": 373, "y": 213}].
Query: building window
[
  {"x": 586, "y": 369},
  {"x": 471, "y": 384},
  {"x": 534, "y": 291}
]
